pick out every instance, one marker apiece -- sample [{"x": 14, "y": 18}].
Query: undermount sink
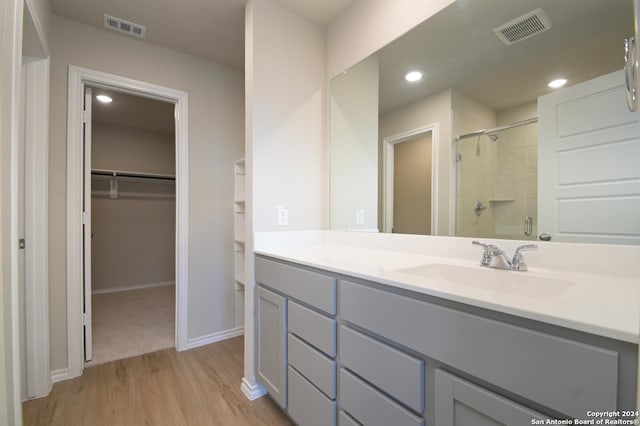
[{"x": 521, "y": 283}]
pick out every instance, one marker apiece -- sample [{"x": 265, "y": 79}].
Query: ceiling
[
  {"x": 322, "y": 12},
  {"x": 457, "y": 48},
  {"x": 209, "y": 29},
  {"x": 133, "y": 111}
]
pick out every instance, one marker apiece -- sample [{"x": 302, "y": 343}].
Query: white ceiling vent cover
[
  {"x": 123, "y": 26},
  {"x": 523, "y": 27}
]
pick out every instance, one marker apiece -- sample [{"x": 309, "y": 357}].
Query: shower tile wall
[
  {"x": 476, "y": 173},
  {"x": 476, "y": 181},
  {"x": 516, "y": 180}
]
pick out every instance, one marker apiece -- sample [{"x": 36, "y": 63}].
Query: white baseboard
[
  {"x": 214, "y": 337},
  {"x": 132, "y": 287},
  {"x": 60, "y": 375},
  {"x": 252, "y": 392}
]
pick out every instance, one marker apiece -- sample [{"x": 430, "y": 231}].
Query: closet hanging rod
[
  {"x": 125, "y": 174},
  {"x": 497, "y": 129}
]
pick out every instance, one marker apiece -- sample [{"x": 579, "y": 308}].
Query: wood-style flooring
[{"x": 199, "y": 387}]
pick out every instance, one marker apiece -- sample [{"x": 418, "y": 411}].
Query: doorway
[
  {"x": 82, "y": 83},
  {"x": 132, "y": 229},
  {"x": 410, "y": 182}
]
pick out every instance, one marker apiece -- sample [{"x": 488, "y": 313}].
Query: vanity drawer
[
  {"x": 307, "y": 405},
  {"x": 567, "y": 376},
  {"x": 316, "y": 367},
  {"x": 309, "y": 287},
  {"x": 396, "y": 373},
  {"x": 346, "y": 420},
  {"x": 371, "y": 407},
  {"x": 313, "y": 327}
]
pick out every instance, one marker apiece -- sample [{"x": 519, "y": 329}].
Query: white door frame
[
  {"x": 78, "y": 78},
  {"x": 36, "y": 187},
  {"x": 37, "y": 229},
  {"x": 387, "y": 173}
]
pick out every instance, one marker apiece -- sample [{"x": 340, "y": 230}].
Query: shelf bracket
[{"x": 113, "y": 188}]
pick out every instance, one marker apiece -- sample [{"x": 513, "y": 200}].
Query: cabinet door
[
  {"x": 460, "y": 403},
  {"x": 271, "y": 314}
]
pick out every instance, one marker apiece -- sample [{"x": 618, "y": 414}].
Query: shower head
[{"x": 493, "y": 137}]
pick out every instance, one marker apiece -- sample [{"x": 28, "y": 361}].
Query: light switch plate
[
  {"x": 360, "y": 217},
  {"x": 283, "y": 216}
]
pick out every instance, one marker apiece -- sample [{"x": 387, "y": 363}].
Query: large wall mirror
[{"x": 496, "y": 119}]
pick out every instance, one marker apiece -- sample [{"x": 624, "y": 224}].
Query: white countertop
[{"x": 597, "y": 303}]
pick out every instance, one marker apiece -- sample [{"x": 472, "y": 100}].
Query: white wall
[
  {"x": 368, "y": 25},
  {"x": 215, "y": 141},
  {"x": 433, "y": 109},
  {"x": 289, "y": 89},
  {"x": 354, "y": 149},
  {"x": 41, "y": 13},
  {"x": 285, "y": 126}
]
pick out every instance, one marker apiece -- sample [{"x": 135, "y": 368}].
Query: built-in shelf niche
[{"x": 239, "y": 238}]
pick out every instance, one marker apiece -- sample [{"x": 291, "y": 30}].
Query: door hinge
[
  {"x": 84, "y": 319},
  {"x": 85, "y": 218},
  {"x": 86, "y": 116},
  {"x": 21, "y": 243}
]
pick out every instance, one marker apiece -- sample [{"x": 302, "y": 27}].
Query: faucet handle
[
  {"x": 517, "y": 264},
  {"x": 480, "y": 243},
  {"x": 486, "y": 255}
]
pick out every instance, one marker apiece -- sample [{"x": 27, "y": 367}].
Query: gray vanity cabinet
[
  {"x": 460, "y": 403},
  {"x": 355, "y": 352},
  {"x": 271, "y": 314},
  {"x": 303, "y": 378}
]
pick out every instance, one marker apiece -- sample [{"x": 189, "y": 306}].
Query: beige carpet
[{"x": 131, "y": 323}]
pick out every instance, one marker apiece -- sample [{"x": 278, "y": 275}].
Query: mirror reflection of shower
[{"x": 496, "y": 170}]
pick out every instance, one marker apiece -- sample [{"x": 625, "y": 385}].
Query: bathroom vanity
[{"x": 346, "y": 339}]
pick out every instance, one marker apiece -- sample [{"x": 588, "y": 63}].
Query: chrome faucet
[{"x": 494, "y": 257}]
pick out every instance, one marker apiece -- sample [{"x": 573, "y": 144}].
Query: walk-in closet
[{"x": 133, "y": 219}]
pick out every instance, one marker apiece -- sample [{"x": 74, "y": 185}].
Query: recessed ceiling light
[
  {"x": 558, "y": 83},
  {"x": 104, "y": 99},
  {"x": 413, "y": 76}
]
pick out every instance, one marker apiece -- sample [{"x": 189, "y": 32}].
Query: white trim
[
  {"x": 215, "y": 337},
  {"x": 252, "y": 391},
  {"x": 36, "y": 228},
  {"x": 15, "y": 58},
  {"x": 132, "y": 287},
  {"x": 78, "y": 77},
  {"x": 387, "y": 173},
  {"x": 60, "y": 375}
]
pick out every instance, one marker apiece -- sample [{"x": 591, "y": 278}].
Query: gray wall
[
  {"x": 215, "y": 141},
  {"x": 133, "y": 238}
]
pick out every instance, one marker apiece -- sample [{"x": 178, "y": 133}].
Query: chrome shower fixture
[{"x": 493, "y": 136}]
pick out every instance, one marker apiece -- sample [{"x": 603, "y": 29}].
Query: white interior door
[
  {"x": 86, "y": 220},
  {"x": 589, "y": 167}
]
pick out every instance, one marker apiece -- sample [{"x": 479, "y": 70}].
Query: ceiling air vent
[
  {"x": 123, "y": 26},
  {"x": 523, "y": 27}
]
